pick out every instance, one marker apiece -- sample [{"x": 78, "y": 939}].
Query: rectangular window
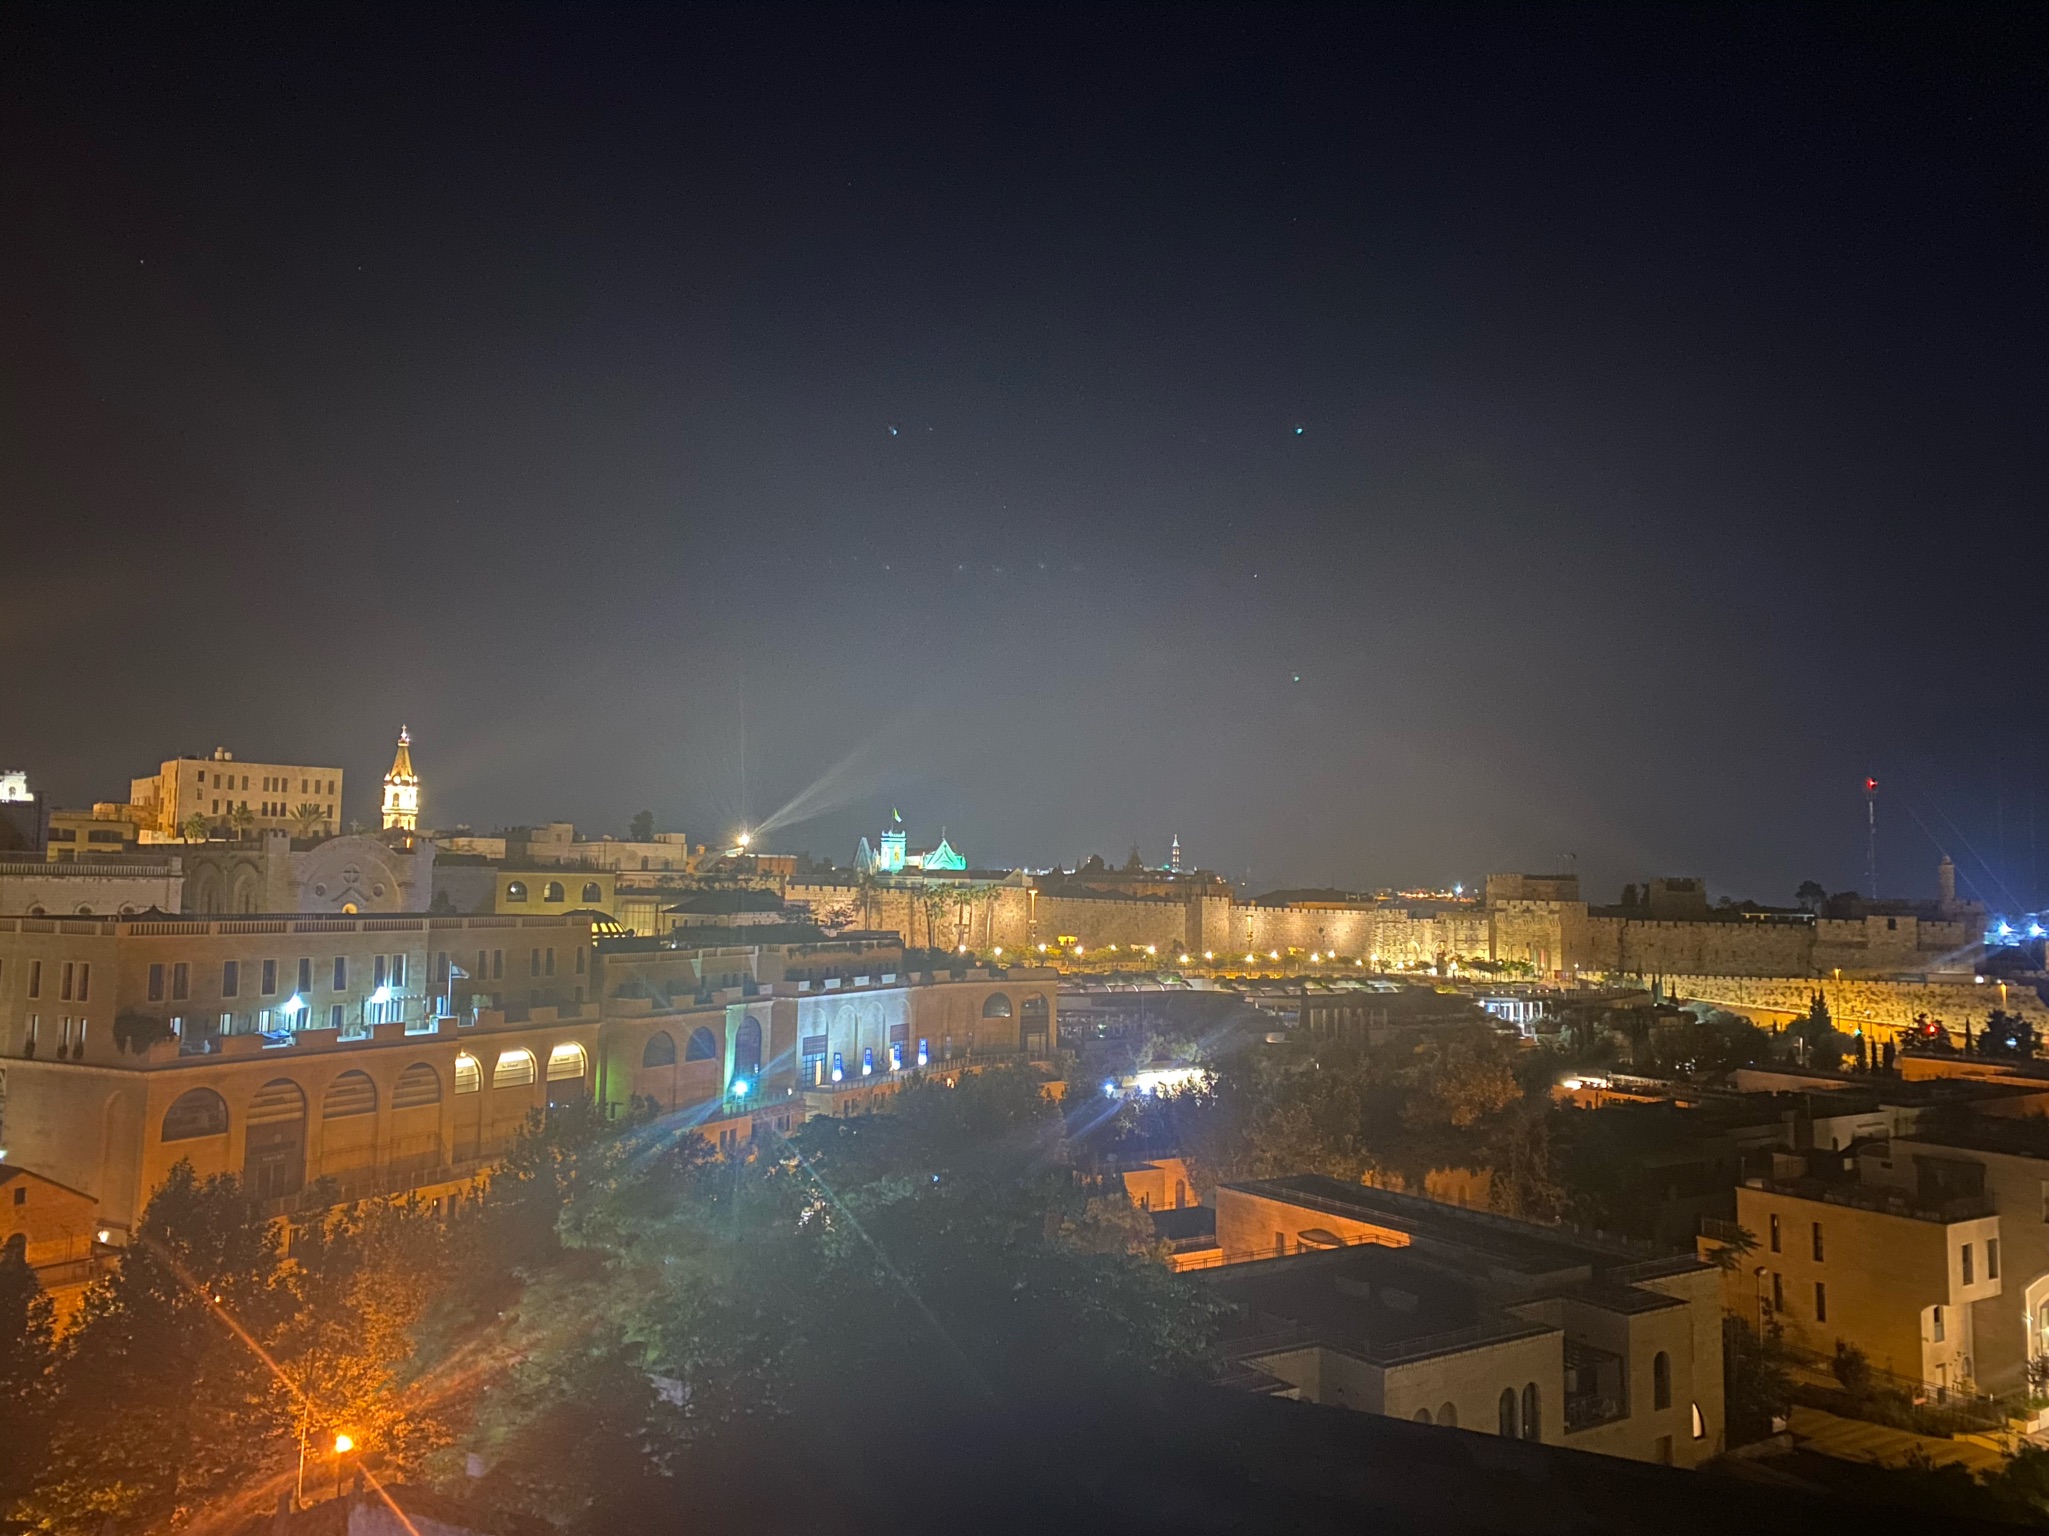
[
  {"x": 441, "y": 968},
  {"x": 35, "y": 989},
  {"x": 334, "y": 1017},
  {"x": 181, "y": 981},
  {"x": 1936, "y": 1323},
  {"x": 231, "y": 978},
  {"x": 1775, "y": 1232},
  {"x": 497, "y": 965},
  {"x": 398, "y": 970},
  {"x": 1817, "y": 1242},
  {"x": 341, "y": 973},
  {"x": 1778, "y": 1292},
  {"x": 69, "y": 969},
  {"x": 1820, "y": 1302},
  {"x": 551, "y": 963},
  {"x": 378, "y": 975},
  {"x": 1991, "y": 1258},
  {"x": 156, "y": 983},
  {"x": 1967, "y": 1264},
  {"x": 533, "y": 966},
  {"x": 305, "y": 973},
  {"x": 85, "y": 981},
  {"x": 270, "y": 978},
  {"x": 579, "y": 959}
]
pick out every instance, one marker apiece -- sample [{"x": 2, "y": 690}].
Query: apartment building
[
  {"x": 215, "y": 789},
  {"x": 1403, "y": 1306}
]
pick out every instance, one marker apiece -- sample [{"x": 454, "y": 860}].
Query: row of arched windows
[
  {"x": 202, "y": 1112},
  {"x": 660, "y": 1050},
  {"x": 515, "y": 890},
  {"x": 1530, "y": 1424}
]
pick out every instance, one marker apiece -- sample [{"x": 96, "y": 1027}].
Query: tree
[
  {"x": 1133, "y": 863},
  {"x": 1758, "y": 1387},
  {"x": 308, "y": 820},
  {"x": 1821, "y": 1043},
  {"x": 242, "y": 818},
  {"x": 1811, "y": 895},
  {"x": 2009, "y": 1035},
  {"x": 161, "y": 1406},
  {"x": 642, "y": 829},
  {"x": 194, "y": 827},
  {"x": 26, "y": 1363}
]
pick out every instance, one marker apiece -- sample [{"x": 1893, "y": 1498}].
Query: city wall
[{"x": 1858, "y": 1003}]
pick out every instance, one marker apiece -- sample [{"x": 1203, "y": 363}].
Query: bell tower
[{"x": 402, "y": 788}]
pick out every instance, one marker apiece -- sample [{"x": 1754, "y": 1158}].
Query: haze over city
[{"x": 1613, "y": 421}]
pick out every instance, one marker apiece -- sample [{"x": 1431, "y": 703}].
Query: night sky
[{"x": 1626, "y": 424}]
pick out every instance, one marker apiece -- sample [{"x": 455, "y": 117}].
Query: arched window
[
  {"x": 592, "y": 891},
  {"x": 1448, "y": 1415},
  {"x": 565, "y": 1061},
  {"x": 195, "y": 1113},
  {"x": 85, "y": 909},
  {"x": 515, "y": 1069},
  {"x": 515, "y": 890},
  {"x": 747, "y": 1048},
  {"x": 1699, "y": 1423},
  {"x": 702, "y": 1046},
  {"x": 552, "y": 891},
  {"x": 996, "y": 1006},
  {"x": 1422, "y": 1415},
  {"x": 418, "y": 1087},
  {"x": 1533, "y": 1421},
  {"x": 350, "y": 1094},
  {"x": 469, "y": 1076},
  {"x": 1661, "y": 1380},
  {"x": 660, "y": 1050},
  {"x": 1508, "y": 1412}
]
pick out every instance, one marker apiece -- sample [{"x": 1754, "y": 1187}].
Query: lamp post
[{"x": 343, "y": 1444}]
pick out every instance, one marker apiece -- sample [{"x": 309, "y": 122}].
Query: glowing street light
[
  {"x": 741, "y": 1087},
  {"x": 343, "y": 1444}
]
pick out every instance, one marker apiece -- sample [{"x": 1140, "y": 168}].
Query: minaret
[
  {"x": 1174, "y": 856},
  {"x": 402, "y": 788}
]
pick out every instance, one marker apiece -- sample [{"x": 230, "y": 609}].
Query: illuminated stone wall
[{"x": 1858, "y": 1003}]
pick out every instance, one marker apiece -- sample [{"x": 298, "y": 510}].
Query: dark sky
[{"x": 1626, "y": 423}]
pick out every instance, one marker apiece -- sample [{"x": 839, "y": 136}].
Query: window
[
  {"x": 1699, "y": 1423},
  {"x": 548, "y": 965},
  {"x": 70, "y": 970},
  {"x": 398, "y": 970},
  {"x": 1506, "y": 1409},
  {"x": 1817, "y": 1242},
  {"x": 515, "y": 890},
  {"x": 997, "y": 1006},
  {"x": 552, "y": 891},
  {"x": 1820, "y": 1302},
  {"x": 1533, "y": 1422},
  {"x": 483, "y": 970},
  {"x": 660, "y": 1050},
  {"x": 534, "y": 964},
  {"x": 515, "y": 1069},
  {"x": 35, "y": 989},
  {"x": 418, "y": 1087},
  {"x": 85, "y": 981},
  {"x": 469, "y": 1076},
  {"x": 1422, "y": 1415},
  {"x": 1448, "y": 1415},
  {"x": 1778, "y": 1292},
  {"x": 1775, "y": 1232},
  {"x": 566, "y": 1061},
  {"x": 379, "y": 973},
  {"x": 592, "y": 891},
  {"x": 334, "y": 1017},
  {"x": 270, "y": 978},
  {"x": 1281, "y": 1252},
  {"x": 1935, "y": 1328},
  {"x": 1661, "y": 1380},
  {"x": 231, "y": 978},
  {"x": 156, "y": 983},
  {"x": 441, "y": 968},
  {"x": 181, "y": 981},
  {"x": 349, "y": 1095},
  {"x": 195, "y": 1113},
  {"x": 1967, "y": 1263},
  {"x": 497, "y": 965},
  {"x": 341, "y": 973},
  {"x": 1991, "y": 1258},
  {"x": 579, "y": 959},
  {"x": 305, "y": 973}
]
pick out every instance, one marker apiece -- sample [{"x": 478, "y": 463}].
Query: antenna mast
[{"x": 1871, "y": 835}]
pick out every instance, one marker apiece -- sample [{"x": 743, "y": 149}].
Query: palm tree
[
  {"x": 308, "y": 820},
  {"x": 243, "y": 818},
  {"x": 194, "y": 828}
]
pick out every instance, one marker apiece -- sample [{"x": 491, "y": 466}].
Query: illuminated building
[
  {"x": 222, "y": 796},
  {"x": 1360, "y": 1298},
  {"x": 1174, "y": 856},
  {"x": 21, "y": 814},
  {"x": 402, "y": 788}
]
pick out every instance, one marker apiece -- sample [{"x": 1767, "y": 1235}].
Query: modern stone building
[
  {"x": 284, "y": 797},
  {"x": 1360, "y": 1298}
]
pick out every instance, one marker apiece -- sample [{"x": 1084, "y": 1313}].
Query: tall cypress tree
[{"x": 26, "y": 1361}]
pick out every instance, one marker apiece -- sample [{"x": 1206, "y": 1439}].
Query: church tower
[{"x": 402, "y": 788}]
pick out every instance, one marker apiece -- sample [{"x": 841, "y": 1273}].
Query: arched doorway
[
  {"x": 566, "y": 1066},
  {"x": 747, "y": 1049},
  {"x": 274, "y": 1154},
  {"x": 1034, "y": 1034}
]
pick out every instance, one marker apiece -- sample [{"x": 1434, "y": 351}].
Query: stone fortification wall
[
  {"x": 1857, "y": 1003},
  {"x": 1642, "y": 947}
]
